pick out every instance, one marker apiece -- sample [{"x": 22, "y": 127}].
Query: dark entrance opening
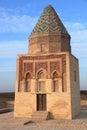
[{"x": 41, "y": 102}]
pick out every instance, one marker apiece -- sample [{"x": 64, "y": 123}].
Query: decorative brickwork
[
  {"x": 43, "y": 57},
  {"x": 49, "y": 22},
  {"x": 42, "y": 65},
  {"x": 28, "y": 66},
  {"x": 55, "y": 66}
]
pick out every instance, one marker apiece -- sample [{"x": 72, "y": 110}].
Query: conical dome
[
  {"x": 49, "y": 35},
  {"x": 49, "y": 22}
]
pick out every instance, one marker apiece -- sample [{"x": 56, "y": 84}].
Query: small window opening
[{"x": 42, "y": 48}]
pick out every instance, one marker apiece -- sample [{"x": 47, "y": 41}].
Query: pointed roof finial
[{"x": 49, "y": 5}]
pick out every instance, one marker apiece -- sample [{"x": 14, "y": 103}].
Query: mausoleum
[{"x": 47, "y": 77}]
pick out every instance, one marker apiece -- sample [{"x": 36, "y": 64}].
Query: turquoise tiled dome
[{"x": 49, "y": 22}]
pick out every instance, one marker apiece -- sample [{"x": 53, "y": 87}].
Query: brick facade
[{"x": 48, "y": 69}]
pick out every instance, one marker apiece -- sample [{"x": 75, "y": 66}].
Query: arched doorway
[{"x": 41, "y": 102}]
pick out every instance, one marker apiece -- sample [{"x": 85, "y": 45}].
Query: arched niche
[
  {"x": 55, "y": 81},
  {"x": 41, "y": 73},
  {"x": 41, "y": 77},
  {"x": 64, "y": 89},
  {"x": 27, "y": 81}
]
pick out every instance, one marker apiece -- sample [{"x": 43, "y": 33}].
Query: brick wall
[{"x": 75, "y": 90}]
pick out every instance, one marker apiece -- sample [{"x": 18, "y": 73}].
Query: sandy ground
[{"x": 8, "y": 122}]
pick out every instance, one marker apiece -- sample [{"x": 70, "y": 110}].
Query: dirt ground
[{"x": 8, "y": 122}]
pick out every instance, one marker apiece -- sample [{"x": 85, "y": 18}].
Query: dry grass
[{"x": 6, "y": 100}]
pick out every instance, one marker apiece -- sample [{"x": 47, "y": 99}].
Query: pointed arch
[
  {"x": 28, "y": 75},
  {"x": 55, "y": 81},
  {"x": 41, "y": 73},
  {"x": 54, "y": 74},
  {"x": 27, "y": 81},
  {"x": 41, "y": 77}
]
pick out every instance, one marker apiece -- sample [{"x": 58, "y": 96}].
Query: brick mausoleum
[{"x": 47, "y": 78}]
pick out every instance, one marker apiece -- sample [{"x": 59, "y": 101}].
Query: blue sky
[{"x": 17, "y": 19}]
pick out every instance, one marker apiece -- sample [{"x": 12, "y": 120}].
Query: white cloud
[
  {"x": 75, "y": 26},
  {"x": 12, "y": 48},
  {"x": 78, "y": 32},
  {"x": 8, "y": 53},
  {"x": 80, "y": 49},
  {"x": 10, "y": 22},
  {"x": 79, "y": 36}
]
